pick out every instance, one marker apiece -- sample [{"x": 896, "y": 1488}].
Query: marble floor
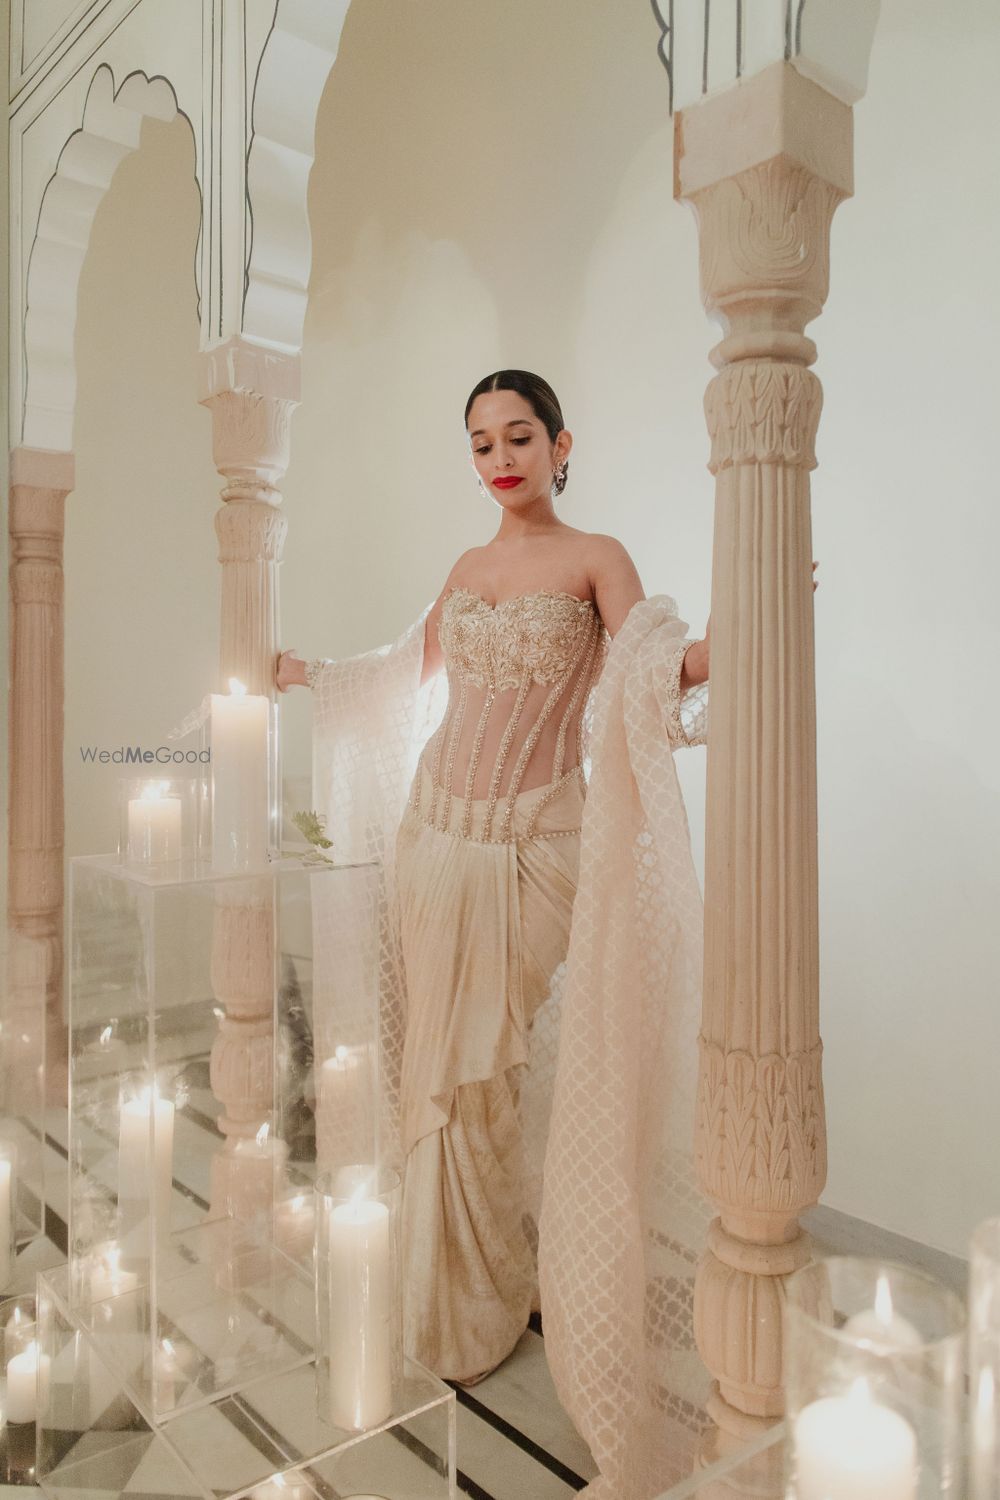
[{"x": 515, "y": 1442}]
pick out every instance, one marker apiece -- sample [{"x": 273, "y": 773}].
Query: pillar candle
[
  {"x": 852, "y": 1448},
  {"x": 143, "y": 1186},
  {"x": 280, "y": 1488},
  {"x": 108, "y": 1282},
  {"x": 27, "y": 1384},
  {"x": 360, "y": 1313},
  {"x": 19, "y": 1333},
  {"x": 881, "y": 1326},
  {"x": 346, "y": 1108},
  {"x": 154, "y": 825},
  {"x": 7, "y": 1203},
  {"x": 239, "y": 779}
]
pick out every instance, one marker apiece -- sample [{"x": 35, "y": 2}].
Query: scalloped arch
[
  {"x": 111, "y": 129},
  {"x": 302, "y": 45}
]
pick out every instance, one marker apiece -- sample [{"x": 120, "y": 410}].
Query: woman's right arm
[{"x": 291, "y": 670}]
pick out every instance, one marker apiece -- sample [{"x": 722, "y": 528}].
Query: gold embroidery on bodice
[{"x": 519, "y": 673}]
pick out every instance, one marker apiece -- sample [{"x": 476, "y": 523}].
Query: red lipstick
[{"x": 508, "y": 481}]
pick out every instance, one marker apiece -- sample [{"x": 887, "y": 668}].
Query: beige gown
[
  {"x": 608, "y": 1094},
  {"x": 487, "y": 857}
]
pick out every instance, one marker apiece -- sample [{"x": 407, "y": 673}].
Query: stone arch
[
  {"x": 302, "y": 44},
  {"x": 111, "y": 128}
]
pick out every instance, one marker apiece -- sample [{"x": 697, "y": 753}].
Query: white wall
[{"x": 493, "y": 187}]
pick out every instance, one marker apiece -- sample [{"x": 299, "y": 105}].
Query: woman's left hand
[{"x": 696, "y": 657}]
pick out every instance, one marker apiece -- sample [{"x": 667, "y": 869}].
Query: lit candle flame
[
  {"x": 359, "y": 1195},
  {"x": 154, "y": 790},
  {"x": 237, "y": 688},
  {"x": 860, "y": 1390},
  {"x": 167, "y": 1348},
  {"x": 106, "y": 1035},
  {"x": 883, "y": 1302},
  {"x": 262, "y": 1134},
  {"x": 340, "y": 1053}
]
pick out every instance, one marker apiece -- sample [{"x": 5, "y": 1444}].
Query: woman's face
[{"x": 508, "y": 441}]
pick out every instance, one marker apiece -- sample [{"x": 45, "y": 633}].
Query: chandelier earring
[{"x": 559, "y": 476}]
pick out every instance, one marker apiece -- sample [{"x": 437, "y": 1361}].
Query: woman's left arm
[{"x": 617, "y": 587}]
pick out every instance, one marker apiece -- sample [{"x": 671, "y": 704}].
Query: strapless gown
[{"x": 487, "y": 858}]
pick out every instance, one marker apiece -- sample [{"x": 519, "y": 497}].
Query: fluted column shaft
[
  {"x": 251, "y": 393},
  {"x": 40, "y": 480},
  {"x": 764, "y": 168}
]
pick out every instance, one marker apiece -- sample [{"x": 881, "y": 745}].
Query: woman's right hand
[{"x": 290, "y": 671}]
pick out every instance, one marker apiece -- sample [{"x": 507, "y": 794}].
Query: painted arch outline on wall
[{"x": 110, "y": 131}]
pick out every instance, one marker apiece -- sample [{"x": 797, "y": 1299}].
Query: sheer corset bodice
[{"x": 519, "y": 674}]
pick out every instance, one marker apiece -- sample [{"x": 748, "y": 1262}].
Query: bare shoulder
[
  {"x": 465, "y": 566},
  {"x": 607, "y": 557}
]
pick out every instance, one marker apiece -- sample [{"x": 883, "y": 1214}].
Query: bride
[{"x": 484, "y": 855}]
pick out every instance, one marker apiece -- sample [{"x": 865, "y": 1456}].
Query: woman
[{"x": 487, "y": 858}]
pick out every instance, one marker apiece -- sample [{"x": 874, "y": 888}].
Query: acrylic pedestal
[
  {"x": 223, "y": 1036},
  {"x": 96, "y": 1437},
  {"x": 25, "y": 964}
]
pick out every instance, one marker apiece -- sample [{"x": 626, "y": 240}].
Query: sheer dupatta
[
  {"x": 611, "y": 1078},
  {"x": 622, "y": 1220}
]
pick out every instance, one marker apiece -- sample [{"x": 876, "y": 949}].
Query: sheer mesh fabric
[
  {"x": 609, "y": 1086},
  {"x": 519, "y": 673}
]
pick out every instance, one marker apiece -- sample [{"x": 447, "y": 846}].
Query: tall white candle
[
  {"x": 360, "y": 1316},
  {"x": 239, "y": 779},
  {"x": 7, "y": 1201},
  {"x": 852, "y": 1448},
  {"x": 154, "y": 825},
  {"x": 144, "y": 1183},
  {"x": 27, "y": 1384}
]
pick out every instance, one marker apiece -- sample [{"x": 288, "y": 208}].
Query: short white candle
[
  {"x": 19, "y": 1333},
  {"x": 360, "y": 1314},
  {"x": 882, "y": 1327},
  {"x": 109, "y": 1281},
  {"x": 852, "y": 1448},
  {"x": 294, "y": 1224},
  {"x": 166, "y": 1375},
  {"x": 27, "y": 1384},
  {"x": 280, "y": 1488},
  {"x": 239, "y": 779},
  {"x": 154, "y": 825},
  {"x": 7, "y": 1201},
  {"x": 144, "y": 1185},
  {"x": 346, "y": 1108}
]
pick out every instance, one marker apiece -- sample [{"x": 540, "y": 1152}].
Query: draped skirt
[{"x": 484, "y": 925}]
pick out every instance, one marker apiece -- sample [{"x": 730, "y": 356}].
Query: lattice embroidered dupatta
[{"x": 621, "y": 1220}]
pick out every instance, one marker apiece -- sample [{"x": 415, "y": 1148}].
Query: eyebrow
[{"x": 480, "y": 431}]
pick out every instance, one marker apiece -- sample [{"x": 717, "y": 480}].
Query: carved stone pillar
[
  {"x": 764, "y": 166},
  {"x": 40, "y": 480},
  {"x": 251, "y": 393}
]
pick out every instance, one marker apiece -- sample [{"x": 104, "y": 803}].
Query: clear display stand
[
  {"x": 24, "y": 966},
  {"x": 224, "y": 1053}
]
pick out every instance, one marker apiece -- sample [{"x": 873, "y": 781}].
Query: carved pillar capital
[{"x": 251, "y": 393}]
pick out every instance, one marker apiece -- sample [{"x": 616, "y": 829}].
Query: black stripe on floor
[{"x": 526, "y": 1444}]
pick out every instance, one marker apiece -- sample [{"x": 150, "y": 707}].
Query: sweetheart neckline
[{"x": 459, "y": 588}]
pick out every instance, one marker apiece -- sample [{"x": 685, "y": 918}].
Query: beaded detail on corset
[{"x": 519, "y": 673}]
